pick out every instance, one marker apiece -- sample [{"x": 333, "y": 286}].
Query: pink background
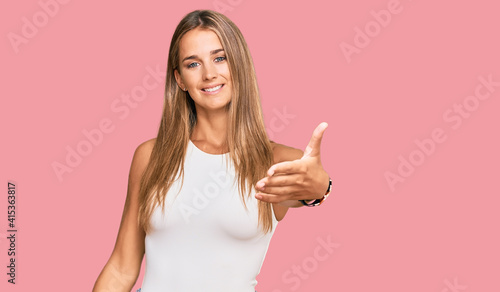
[{"x": 437, "y": 230}]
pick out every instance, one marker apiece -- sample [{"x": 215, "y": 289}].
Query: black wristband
[{"x": 318, "y": 202}]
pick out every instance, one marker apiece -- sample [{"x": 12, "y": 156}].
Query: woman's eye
[{"x": 195, "y": 64}]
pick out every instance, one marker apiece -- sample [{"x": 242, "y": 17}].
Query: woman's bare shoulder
[
  {"x": 285, "y": 153},
  {"x": 142, "y": 153},
  {"x": 146, "y": 147}
]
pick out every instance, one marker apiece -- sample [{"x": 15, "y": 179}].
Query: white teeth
[{"x": 213, "y": 88}]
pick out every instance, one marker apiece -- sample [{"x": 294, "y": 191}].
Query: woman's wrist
[{"x": 317, "y": 202}]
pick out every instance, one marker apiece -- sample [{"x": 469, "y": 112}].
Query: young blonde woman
[{"x": 205, "y": 196}]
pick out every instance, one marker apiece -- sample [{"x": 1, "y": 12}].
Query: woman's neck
[{"x": 210, "y": 133}]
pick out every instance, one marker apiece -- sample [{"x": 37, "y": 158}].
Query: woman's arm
[{"x": 123, "y": 267}]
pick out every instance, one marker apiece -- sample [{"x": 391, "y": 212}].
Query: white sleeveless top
[{"x": 205, "y": 240}]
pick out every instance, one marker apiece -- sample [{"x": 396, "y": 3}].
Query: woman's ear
[{"x": 178, "y": 79}]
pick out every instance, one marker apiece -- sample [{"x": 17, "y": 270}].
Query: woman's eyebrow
[{"x": 195, "y": 56}]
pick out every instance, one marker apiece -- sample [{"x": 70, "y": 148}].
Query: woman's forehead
[{"x": 199, "y": 41}]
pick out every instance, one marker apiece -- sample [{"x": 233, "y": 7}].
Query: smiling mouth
[{"x": 212, "y": 89}]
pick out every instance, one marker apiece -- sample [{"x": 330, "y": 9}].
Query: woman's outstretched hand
[{"x": 301, "y": 179}]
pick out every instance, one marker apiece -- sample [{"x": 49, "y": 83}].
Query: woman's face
[{"x": 203, "y": 70}]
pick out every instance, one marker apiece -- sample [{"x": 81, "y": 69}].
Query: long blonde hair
[{"x": 249, "y": 146}]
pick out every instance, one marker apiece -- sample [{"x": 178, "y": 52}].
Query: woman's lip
[{"x": 214, "y": 92}]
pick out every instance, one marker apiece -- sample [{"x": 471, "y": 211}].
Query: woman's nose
[{"x": 209, "y": 72}]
